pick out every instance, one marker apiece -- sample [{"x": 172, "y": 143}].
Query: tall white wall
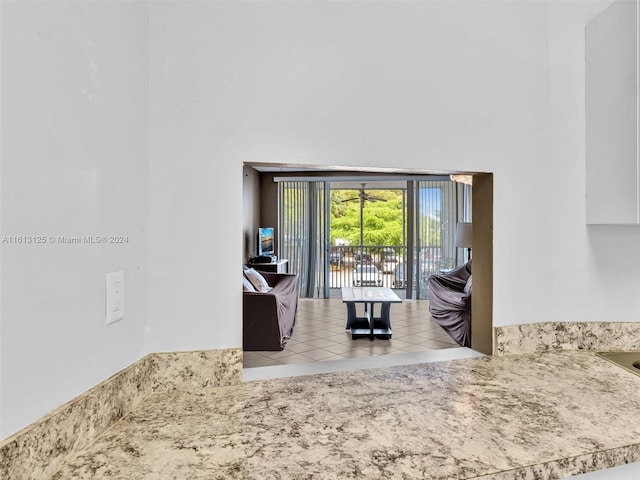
[
  {"x": 195, "y": 189},
  {"x": 73, "y": 162},
  {"x": 136, "y": 118},
  {"x": 409, "y": 85},
  {"x": 480, "y": 86},
  {"x": 593, "y": 269}
]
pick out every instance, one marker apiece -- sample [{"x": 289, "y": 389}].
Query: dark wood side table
[{"x": 279, "y": 266}]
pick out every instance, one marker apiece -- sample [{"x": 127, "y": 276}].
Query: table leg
[
  {"x": 351, "y": 315},
  {"x": 385, "y": 316},
  {"x": 382, "y": 324},
  {"x": 371, "y": 321}
]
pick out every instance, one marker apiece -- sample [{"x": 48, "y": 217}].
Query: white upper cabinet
[{"x": 612, "y": 160}]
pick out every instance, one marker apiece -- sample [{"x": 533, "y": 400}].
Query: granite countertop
[{"x": 544, "y": 415}]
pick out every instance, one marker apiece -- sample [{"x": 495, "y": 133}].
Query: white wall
[
  {"x": 594, "y": 269},
  {"x": 74, "y": 162},
  {"x": 480, "y": 86},
  {"x": 195, "y": 189}
]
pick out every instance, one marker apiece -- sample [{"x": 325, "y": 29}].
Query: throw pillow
[
  {"x": 257, "y": 280},
  {"x": 246, "y": 285},
  {"x": 467, "y": 287}
]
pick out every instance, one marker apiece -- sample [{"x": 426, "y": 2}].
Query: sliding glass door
[{"x": 427, "y": 215}]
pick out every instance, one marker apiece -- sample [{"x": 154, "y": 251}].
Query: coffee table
[{"x": 369, "y": 325}]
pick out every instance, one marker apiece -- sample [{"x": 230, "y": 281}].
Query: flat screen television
[{"x": 266, "y": 244}]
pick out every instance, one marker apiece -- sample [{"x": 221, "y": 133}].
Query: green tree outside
[{"x": 382, "y": 220}]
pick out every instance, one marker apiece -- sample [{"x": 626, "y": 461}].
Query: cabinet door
[{"x": 612, "y": 162}]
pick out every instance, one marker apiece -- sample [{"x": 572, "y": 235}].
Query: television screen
[{"x": 265, "y": 241}]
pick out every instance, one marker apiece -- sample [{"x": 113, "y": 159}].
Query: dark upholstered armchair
[
  {"x": 450, "y": 302},
  {"x": 268, "y": 318}
]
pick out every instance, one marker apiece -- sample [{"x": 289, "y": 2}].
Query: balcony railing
[{"x": 347, "y": 266}]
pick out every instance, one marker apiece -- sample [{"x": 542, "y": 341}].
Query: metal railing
[{"x": 346, "y": 266}]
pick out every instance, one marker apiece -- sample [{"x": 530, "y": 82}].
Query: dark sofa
[
  {"x": 268, "y": 318},
  {"x": 450, "y": 303}
]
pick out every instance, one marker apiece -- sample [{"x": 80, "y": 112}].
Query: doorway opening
[{"x": 401, "y": 226}]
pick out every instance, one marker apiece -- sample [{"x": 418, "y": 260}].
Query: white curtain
[{"x": 439, "y": 206}]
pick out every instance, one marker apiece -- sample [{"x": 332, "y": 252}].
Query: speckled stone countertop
[{"x": 541, "y": 415}]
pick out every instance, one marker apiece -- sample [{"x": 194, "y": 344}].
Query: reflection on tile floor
[{"x": 320, "y": 335}]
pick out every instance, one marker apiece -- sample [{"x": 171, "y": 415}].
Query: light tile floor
[{"x": 320, "y": 335}]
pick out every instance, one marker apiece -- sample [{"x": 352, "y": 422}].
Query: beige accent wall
[
  {"x": 269, "y": 205},
  {"x": 250, "y": 211},
  {"x": 482, "y": 298}
]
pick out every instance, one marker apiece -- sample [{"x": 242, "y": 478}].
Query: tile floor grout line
[{"x": 416, "y": 331}]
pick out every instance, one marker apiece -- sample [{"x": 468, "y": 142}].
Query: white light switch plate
[{"x": 114, "y": 303}]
